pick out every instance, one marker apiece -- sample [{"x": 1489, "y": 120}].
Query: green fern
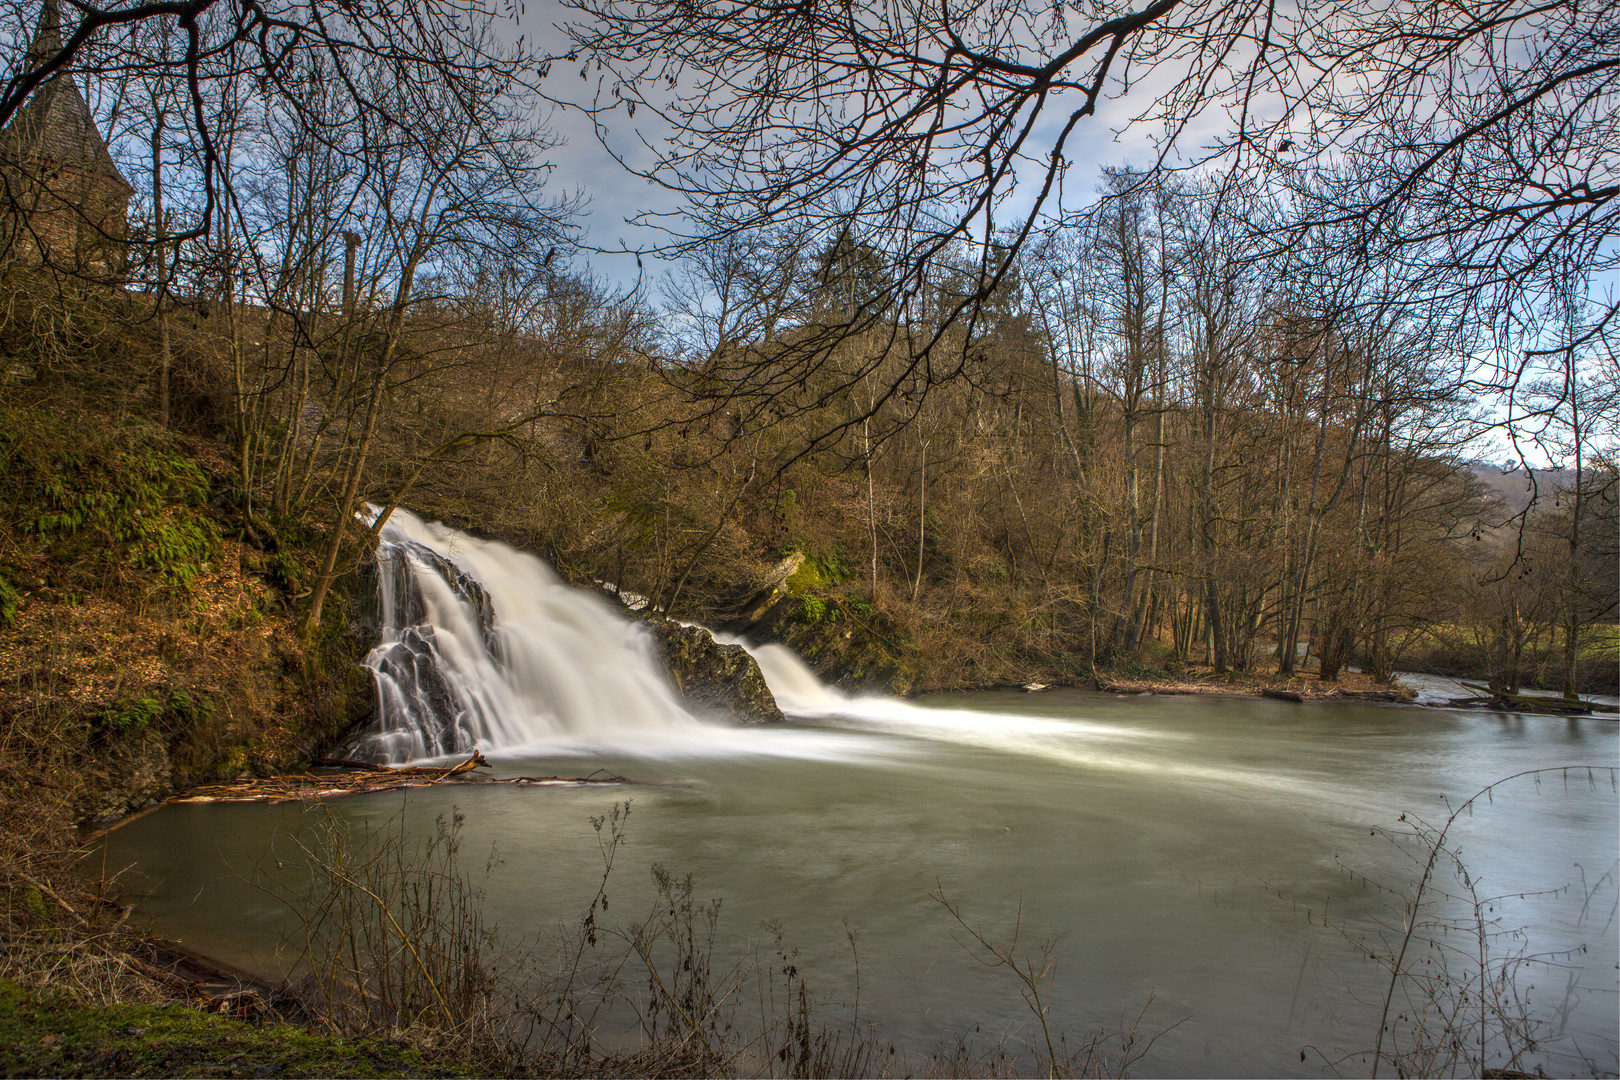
[
  {"x": 122, "y": 496},
  {"x": 9, "y": 599}
]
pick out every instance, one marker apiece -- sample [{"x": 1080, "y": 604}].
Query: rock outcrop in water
[
  {"x": 408, "y": 667},
  {"x": 721, "y": 680},
  {"x": 411, "y": 606},
  {"x": 838, "y": 637}
]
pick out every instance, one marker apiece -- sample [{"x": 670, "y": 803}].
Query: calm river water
[{"x": 1188, "y": 847}]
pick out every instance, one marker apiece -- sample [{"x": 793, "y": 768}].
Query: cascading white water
[
  {"x": 484, "y": 647},
  {"x": 801, "y": 693},
  {"x": 797, "y": 690}
]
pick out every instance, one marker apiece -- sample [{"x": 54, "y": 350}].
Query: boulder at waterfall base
[{"x": 719, "y": 679}]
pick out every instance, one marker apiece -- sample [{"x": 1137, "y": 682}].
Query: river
[{"x": 1188, "y": 849}]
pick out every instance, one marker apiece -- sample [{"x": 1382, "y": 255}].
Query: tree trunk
[
  {"x": 1573, "y": 591},
  {"x": 871, "y": 505},
  {"x": 159, "y": 229},
  {"x": 357, "y": 465},
  {"x": 922, "y": 514}
]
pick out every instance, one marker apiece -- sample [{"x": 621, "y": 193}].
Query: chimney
[{"x": 351, "y": 241}]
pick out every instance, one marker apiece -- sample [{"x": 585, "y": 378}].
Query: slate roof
[{"x": 55, "y": 123}]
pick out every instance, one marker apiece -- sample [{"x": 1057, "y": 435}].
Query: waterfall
[
  {"x": 801, "y": 693},
  {"x": 797, "y": 690},
  {"x": 483, "y": 646}
]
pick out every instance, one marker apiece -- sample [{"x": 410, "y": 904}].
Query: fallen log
[
  {"x": 348, "y": 763},
  {"x": 1510, "y": 702},
  {"x": 366, "y": 780}
]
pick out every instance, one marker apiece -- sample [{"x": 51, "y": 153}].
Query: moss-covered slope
[
  {"x": 42, "y": 1035},
  {"x": 145, "y": 644}
]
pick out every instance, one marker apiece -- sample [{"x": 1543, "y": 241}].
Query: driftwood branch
[
  {"x": 1486, "y": 698},
  {"x": 362, "y": 778}
]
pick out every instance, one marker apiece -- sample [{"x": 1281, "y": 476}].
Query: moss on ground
[
  {"x": 107, "y": 499},
  {"x": 46, "y": 1035}
]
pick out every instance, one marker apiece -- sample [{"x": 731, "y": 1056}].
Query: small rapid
[{"x": 797, "y": 690}]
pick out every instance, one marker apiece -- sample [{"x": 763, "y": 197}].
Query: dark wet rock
[
  {"x": 412, "y": 611},
  {"x": 407, "y": 671},
  {"x": 124, "y": 774},
  {"x": 722, "y": 680}
]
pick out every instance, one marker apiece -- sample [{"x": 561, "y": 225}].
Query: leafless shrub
[
  {"x": 392, "y": 936},
  {"x": 1097, "y": 1054},
  {"x": 391, "y": 940},
  {"x": 1457, "y": 998}
]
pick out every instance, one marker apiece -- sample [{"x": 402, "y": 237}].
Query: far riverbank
[{"x": 1406, "y": 688}]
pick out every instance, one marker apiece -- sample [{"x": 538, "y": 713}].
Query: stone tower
[{"x": 65, "y": 204}]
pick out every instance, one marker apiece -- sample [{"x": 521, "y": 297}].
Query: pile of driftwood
[
  {"x": 1502, "y": 700},
  {"x": 345, "y": 777}
]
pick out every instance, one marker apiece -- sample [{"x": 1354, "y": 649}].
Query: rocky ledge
[{"x": 721, "y": 680}]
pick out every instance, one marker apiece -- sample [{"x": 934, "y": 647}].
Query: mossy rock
[
  {"x": 123, "y": 772},
  {"x": 838, "y": 634},
  {"x": 719, "y": 679}
]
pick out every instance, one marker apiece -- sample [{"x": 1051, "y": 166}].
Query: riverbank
[
  {"x": 1405, "y": 689},
  {"x": 1350, "y": 686}
]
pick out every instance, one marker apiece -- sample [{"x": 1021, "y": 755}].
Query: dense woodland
[
  {"x": 1149, "y": 454},
  {"x": 1146, "y": 438},
  {"x": 1222, "y": 414}
]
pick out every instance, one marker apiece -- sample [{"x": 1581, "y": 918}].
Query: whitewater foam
[
  {"x": 546, "y": 663},
  {"x": 484, "y": 647}
]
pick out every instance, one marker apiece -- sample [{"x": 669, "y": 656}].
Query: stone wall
[{"x": 68, "y": 219}]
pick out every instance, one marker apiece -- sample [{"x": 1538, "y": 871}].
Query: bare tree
[
  {"x": 1475, "y": 149},
  {"x": 442, "y": 171}
]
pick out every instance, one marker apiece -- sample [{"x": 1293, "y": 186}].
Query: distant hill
[{"x": 1513, "y": 485}]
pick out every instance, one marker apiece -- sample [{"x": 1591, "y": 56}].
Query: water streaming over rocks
[
  {"x": 798, "y": 691},
  {"x": 484, "y": 646}
]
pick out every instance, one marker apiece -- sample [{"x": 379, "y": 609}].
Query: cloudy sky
[{"x": 616, "y": 196}]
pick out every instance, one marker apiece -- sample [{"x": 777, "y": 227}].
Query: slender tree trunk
[
  {"x": 871, "y": 505},
  {"x": 1313, "y": 518},
  {"x": 1125, "y": 624},
  {"x": 160, "y": 230},
  {"x": 346, "y": 502},
  {"x": 357, "y": 466},
  {"x": 1206, "y": 533},
  {"x": 922, "y": 514},
  {"x": 1151, "y": 590},
  {"x": 1572, "y": 590}
]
